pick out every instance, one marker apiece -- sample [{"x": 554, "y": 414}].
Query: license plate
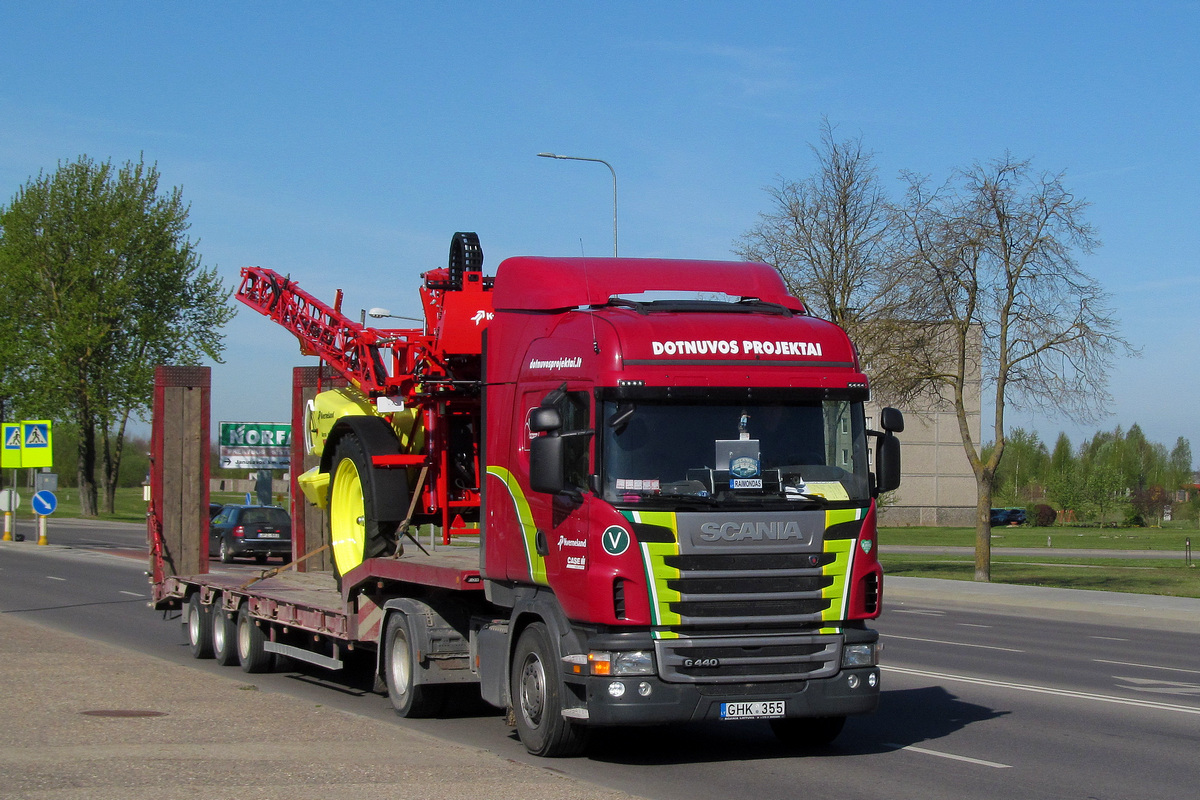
[
  {"x": 268, "y": 536},
  {"x": 758, "y": 709}
]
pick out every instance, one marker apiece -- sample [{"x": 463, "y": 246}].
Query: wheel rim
[
  {"x": 219, "y": 635},
  {"x": 224, "y": 551},
  {"x": 243, "y": 638},
  {"x": 193, "y": 625},
  {"x": 347, "y": 523},
  {"x": 533, "y": 690},
  {"x": 399, "y": 668}
]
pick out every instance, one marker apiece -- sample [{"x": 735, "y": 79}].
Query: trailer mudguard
[{"x": 442, "y": 651}]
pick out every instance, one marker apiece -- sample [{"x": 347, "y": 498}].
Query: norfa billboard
[{"x": 255, "y": 445}]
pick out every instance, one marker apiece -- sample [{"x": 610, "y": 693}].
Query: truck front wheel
[
  {"x": 536, "y": 692},
  {"x": 410, "y": 699},
  {"x": 355, "y": 535}
]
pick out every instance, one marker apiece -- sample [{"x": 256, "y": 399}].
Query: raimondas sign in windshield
[{"x": 255, "y": 445}]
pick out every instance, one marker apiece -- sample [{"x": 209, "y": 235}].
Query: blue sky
[{"x": 345, "y": 143}]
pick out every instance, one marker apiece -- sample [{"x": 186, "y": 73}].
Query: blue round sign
[{"x": 44, "y": 503}]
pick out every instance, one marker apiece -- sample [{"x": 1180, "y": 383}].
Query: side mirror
[
  {"x": 887, "y": 463},
  {"x": 547, "y": 465},
  {"x": 544, "y": 419},
  {"x": 891, "y": 420}
]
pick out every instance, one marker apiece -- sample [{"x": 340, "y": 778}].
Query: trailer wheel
[
  {"x": 251, "y": 653},
  {"x": 224, "y": 637},
  {"x": 536, "y": 693},
  {"x": 410, "y": 699},
  {"x": 807, "y": 732},
  {"x": 199, "y": 628},
  {"x": 354, "y": 533}
]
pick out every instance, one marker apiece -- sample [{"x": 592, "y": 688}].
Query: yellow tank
[{"x": 323, "y": 413}]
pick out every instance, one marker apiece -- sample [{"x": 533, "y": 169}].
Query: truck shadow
[{"x": 905, "y": 717}]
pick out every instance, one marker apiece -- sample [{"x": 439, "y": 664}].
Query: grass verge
[{"x": 1145, "y": 576}]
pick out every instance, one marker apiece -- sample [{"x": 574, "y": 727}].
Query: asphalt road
[{"x": 976, "y": 704}]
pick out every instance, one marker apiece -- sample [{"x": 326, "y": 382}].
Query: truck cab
[{"x": 680, "y": 492}]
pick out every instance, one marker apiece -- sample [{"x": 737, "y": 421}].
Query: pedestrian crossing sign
[{"x": 28, "y": 443}]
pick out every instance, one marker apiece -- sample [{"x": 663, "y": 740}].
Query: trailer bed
[{"x": 312, "y": 601}]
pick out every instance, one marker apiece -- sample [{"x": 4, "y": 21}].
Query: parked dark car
[
  {"x": 214, "y": 509},
  {"x": 258, "y": 531},
  {"x": 1008, "y": 516}
]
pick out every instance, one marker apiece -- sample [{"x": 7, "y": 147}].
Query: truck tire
[
  {"x": 199, "y": 628},
  {"x": 410, "y": 699},
  {"x": 224, "y": 637},
  {"x": 536, "y": 692},
  {"x": 252, "y": 655},
  {"x": 807, "y": 732},
  {"x": 355, "y": 535}
]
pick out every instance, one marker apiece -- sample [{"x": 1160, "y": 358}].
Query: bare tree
[
  {"x": 833, "y": 239},
  {"x": 999, "y": 281}
]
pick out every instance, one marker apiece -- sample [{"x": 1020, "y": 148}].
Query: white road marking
[
  {"x": 133, "y": 594},
  {"x": 54, "y": 578},
  {"x": 960, "y": 644},
  {"x": 967, "y": 759},
  {"x": 1147, "y": 666},
  {"x": 1109, "y": 638},
  {"x": 1022, "y": 687},
  {"x": 972, "y": 625},
  {"x": 916, "y": 611},
  {"x": 1160, "y": 687}
]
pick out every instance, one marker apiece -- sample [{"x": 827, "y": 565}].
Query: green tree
[
  {"x": 1181, "y": 465},
  {"x": 1104, "y": 490},
  {"x": 110, "y": 285},
  {"x": 1024, "y": 467}
]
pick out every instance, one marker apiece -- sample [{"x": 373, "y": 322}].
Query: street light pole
[{"x": 614, "y": 179}]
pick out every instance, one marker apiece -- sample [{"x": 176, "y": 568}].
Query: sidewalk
[{"x": 83, "y": 720}]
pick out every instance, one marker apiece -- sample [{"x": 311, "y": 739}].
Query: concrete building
[{"x": 937, "y": 485}]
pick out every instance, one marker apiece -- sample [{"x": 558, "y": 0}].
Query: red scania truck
[{"x": 672, "y": 499}]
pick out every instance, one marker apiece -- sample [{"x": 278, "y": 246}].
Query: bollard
[
  {"x": 7, "y": 527},
  {"x": 1187, "y": 552},
  {"x": 42, "y": 530}
]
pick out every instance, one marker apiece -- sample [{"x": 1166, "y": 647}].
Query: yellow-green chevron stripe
[{"x": 535, "y": 562}]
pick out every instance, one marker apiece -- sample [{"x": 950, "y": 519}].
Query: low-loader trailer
[{"x": 650, "y": 481}]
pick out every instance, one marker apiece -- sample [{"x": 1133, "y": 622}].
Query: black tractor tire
[{"x": 355, "y": 534}]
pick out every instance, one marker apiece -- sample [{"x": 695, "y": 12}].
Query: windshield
[{"x": 663, "y": 452}]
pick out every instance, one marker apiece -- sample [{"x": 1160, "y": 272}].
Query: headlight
[
  {"x": 858, "y": 655},
  {"x": 636, "y": 662}
]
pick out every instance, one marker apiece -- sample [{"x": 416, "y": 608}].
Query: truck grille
[
  {"x": 733, "y": 590},
  {"x": 741, "y": 659}
]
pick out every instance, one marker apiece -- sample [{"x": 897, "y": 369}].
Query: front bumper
[
  {"x": 646, "y": 700},
  {"x": 830, "y": 691}
]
